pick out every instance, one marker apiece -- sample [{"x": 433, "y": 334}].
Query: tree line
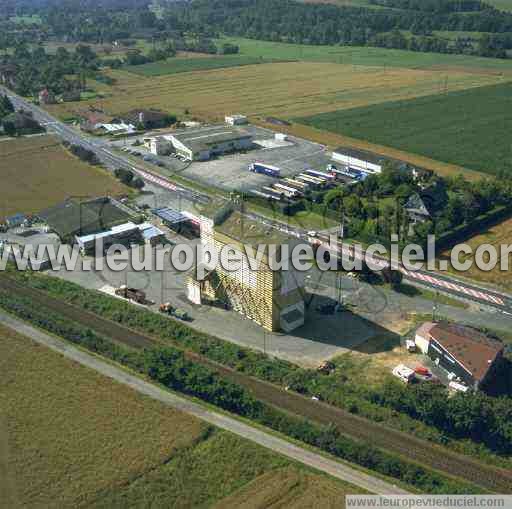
[
  {"x": 287, "y": 21},
  {"x": 64, "y": 72}
]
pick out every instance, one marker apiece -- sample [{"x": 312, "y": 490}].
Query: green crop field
[
  {"x": 367, "y": 56},
  {"x": 504, "y": 5},
  {"x": 178, "y": 65},
  {"x": 27, "y": 20},
  {"x": 470, "y": 128}
]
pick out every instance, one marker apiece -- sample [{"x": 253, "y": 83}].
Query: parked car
[{"x": 404, "y": 373}]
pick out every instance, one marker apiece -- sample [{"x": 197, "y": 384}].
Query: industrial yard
[
  {"x": 224, "y": 235},
  {"x": 231, "y": 171}
]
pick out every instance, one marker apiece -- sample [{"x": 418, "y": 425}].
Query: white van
[{"x": 404, "y": 373}]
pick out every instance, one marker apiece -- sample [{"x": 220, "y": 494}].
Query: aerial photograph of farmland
[{"x": 255, "y": 253}]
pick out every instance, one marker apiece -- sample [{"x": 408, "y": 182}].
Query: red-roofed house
[
  {"x": 46, "y": 97},
  {"x": 466, "y": 352}
]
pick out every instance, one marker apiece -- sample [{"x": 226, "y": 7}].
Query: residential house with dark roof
[
  {"x": 416, "y": 209},
  {"x": 46, "y": 97}
]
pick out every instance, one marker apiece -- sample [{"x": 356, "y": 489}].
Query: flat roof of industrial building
[
  {"x": 363, "y": 155},
  {"x": 204, "y": 139},
  {"x": 248, "y": 231},
  {"x": 72, "y": 216},
  {"x": 170, "y": 216}
]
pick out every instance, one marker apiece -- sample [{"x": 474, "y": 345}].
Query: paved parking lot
[
  {"x": 322, "y": 336},
  {"x": 230, "y": 172}
]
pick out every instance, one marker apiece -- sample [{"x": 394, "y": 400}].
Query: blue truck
[{"x": 265, "y": 169}]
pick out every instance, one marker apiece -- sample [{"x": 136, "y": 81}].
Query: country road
[
  {"x": 311, "y": 459},
  {"x": 442, "y": 282}
]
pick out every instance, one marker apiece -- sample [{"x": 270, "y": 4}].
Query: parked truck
[
  {"x": 131, "y": 294},
  {"x": 265, "y": 169}
]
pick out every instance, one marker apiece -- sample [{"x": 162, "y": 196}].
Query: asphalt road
[
  {"x": 434, "y": 281},
  {"x": 278, "y": 445}
]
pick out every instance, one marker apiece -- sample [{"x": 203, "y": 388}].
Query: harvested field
[
  {"x": 177, "y": 65},
  {"x": 469, "y": 128},
  {"x": 223, "y": 471},
  {"x": 496, "y": 236},
  {"x": 37, "y": 172},
  {"x": 285, "y": 90},
  {"x": 70, "y": 437},
  {"x": 72, "y": 434},
  {"x": 287, "y": 487}
]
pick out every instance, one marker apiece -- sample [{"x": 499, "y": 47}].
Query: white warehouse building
[
  {"x": 358, "y": 160},
  {"x": 203, "y": 144}
]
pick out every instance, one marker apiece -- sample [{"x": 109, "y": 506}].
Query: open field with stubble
[
  {"x": 72, "y": 434},
  {"x": 178, "y": 65},
  {"x": 70, "y": 437},
  {"x": 284, "y": 90},
  {"x": 38, "y": 172},
  {"x": 496, "y": 236},
  {"x": 469, "y": 128}
]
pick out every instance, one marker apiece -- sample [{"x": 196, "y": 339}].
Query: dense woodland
[{"x": 405, "y": 24}]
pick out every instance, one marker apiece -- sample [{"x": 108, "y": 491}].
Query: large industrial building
[
  {"x": 358, "y": 159},
  {"x": 201, "y": 145},
  {"x": 272, "y": 298}
]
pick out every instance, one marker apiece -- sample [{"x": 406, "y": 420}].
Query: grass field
[
  {"x": 382, "y": 57},
  {"x": 34, "y": 19},
  {"x": 72, "y": 438},
  {"x": 470, "y": 128},
  {"x": 285, "y": 90},
  {"x": 178, "y": 65},
  {"x": 38, "y": 172},
  {"x": 504, "y": 5}
]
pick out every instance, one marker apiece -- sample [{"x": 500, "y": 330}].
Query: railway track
[{"x": 411, "y": 448}]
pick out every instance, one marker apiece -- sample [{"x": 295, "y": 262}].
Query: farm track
[{"x": 411, "y": 448}]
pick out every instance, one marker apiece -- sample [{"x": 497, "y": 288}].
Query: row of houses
[{"x": 98, "y": 122}]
